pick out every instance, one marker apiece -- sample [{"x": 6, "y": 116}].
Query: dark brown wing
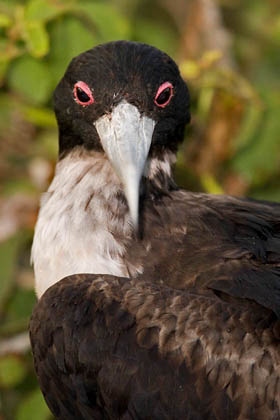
[
  {"x": 199, "y": 241},
  {"x": 113, "y": 348}
]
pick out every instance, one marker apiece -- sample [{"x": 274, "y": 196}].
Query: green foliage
[
  {"x": 258, "y": 160},
  {"x": 43, "y": 11},
  {"x": 33, "y": 407},
  {"x": 232, "y": 146},
  {"x": 8, "y": 255},
  {"x": 75, "y": 35},
  {"x": 12, "y": 371},
  {"x": 31, "y": 79},
  {"x": 37, "y": 39},
  {"x": 96, "y": 13}
]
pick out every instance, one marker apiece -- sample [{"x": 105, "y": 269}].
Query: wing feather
[{"x": 125, "y": 349}]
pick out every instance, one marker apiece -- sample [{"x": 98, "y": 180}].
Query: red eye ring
[
  {"x": 82, "y": 94},
  {"x": 169, "y": 88}
]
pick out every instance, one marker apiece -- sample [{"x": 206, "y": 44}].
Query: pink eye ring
[
  {"x": 164, "y": 94},
  {"x": 82, "y": 94}
]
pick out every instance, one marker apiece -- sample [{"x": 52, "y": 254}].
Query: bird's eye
[
  {"x": 164, "y": 95},
  {"x": 82, "y": 94}
]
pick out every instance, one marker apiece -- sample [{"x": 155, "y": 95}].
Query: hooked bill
[{"x": 126, "y": 137}]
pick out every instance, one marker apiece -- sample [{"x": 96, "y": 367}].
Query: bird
[{"x": 153, "y": 302}]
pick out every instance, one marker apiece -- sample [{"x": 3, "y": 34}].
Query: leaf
[
  {"x": 210, "y": 184},
  {"x": 8, "y": 257},
  {"x": 4, "y": 58},
  {"x": 43, "y": 10},
  {"x": 69, "y": 37},
  {"x": 4, "y": 64},
  {"x": 21, "y": 305},
  {"x": 31, "y": 78},
  {"x": 204, "y": 102},
  {"x": 5, "y": 21},
  {"x": 155, "y": 33},
  {"x": 12, "y": 371},
  {"x": 116, "y": 27},
  {"x": 37, "y": 39},
  {"x": 210, "y": 57},
  {"x": 33, "y": 407},
  {"x": 275, "y": 29},
  {"x": 250, "y": 124},
  {"x": 42, "y": 117},
  {"x": 270, "y": 193},
  {"x": 259, "y": 158},
  {"x": 23, "y": 185},
  {"x": 189, "y": 69}
]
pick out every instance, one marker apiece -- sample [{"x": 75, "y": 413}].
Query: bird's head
[{"x": 126, "y": 100}]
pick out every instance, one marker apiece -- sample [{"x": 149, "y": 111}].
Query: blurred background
[{"x": 227, "y": 50}]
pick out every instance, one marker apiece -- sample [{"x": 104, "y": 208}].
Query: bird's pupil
[
  {"x": 82, "y": 95},
  {"x": 164, "y": 96}
]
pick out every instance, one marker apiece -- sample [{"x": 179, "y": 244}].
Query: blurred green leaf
[
  {"x": 271, "y": 193},
  {"x": 44, "y": 10},
  {"x": 154, "y": 33},
  {"x": 4, "y": 59},
  {"x": 13, "y": 186},
  {"x": 33, "y": 407},
  {"x": 31, "y": 78},
  {"x": 41, "y": 117},
  {"x": 251, "y": 122},
  {"x": 76, "y": 39},
  {"x": 4, "y": 63},
  {"x": 21, "y": 305},
  {"x": 275, "y": 29},
  {"x": 8, "y": 255},
  {"x": 12, "y": 371},
  {"x": 117, "y": 26},
  {"x": 259, "y": 159},
  {"x": 37, "y": 39},
  {"x": 204, "y": 102},
  {"x": 5, "y": 21},
  {"x": 210, "y": 184},
  {"x": 10, "y": 328},
  {"x": 7, "y": 106},
  {"x": 189, "y": 69}
]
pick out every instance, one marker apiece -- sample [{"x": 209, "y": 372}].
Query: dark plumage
[
  {"x": 191, "y": 331},
  {"x": 122, "y": 68}
]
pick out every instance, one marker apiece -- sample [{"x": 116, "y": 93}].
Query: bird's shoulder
[
  {"x": 200, "y": 241},
  {"x": 215, "y": 215}
]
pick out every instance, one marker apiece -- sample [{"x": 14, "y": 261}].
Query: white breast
[{"x": 74, "y": 231}]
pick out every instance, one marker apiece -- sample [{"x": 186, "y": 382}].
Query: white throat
[
  {"x": 77, "y": 219},
  {"x": 83, "y": 227}
]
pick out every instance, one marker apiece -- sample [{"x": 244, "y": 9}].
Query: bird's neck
[
  {"x": 84, "y": 223},
  {"x": 95, "y": 168}
]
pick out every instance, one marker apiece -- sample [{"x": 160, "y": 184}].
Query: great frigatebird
[{"x": 154, "y": 302}]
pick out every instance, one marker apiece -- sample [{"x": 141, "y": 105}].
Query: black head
[{"x": 100, "y": 78}]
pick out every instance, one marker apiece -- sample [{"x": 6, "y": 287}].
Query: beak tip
[
  {"x": 135, "y": 223},
  {"x": 131, "y": 188},
  {"x": 135, "y": 226},
  {"x": 134, "y": 218}
]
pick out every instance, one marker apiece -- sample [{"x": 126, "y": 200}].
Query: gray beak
[{"x": 126, "y": 138}]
